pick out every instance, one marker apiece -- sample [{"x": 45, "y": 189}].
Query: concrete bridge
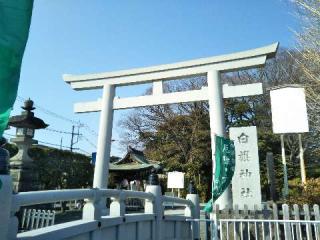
[{"x": 95, "y": 224}]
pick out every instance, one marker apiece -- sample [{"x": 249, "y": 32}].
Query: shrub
[{"x": 304, "y": 194}]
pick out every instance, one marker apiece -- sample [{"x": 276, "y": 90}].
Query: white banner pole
[
  {"x": 302, "y": 166},
  {"x": 285, "y": 170}
]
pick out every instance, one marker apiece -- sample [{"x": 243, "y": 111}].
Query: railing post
[
  {"x": 118, "y": 206},
  {"x": 193, "y": 212},
  {"x": 155, "y": 207},
  {"x": 307, "y": 216},
  {"x": 287, "y": 226},
  {"x": 316, "y": 218},
  {"x": 92, "y": 208}
]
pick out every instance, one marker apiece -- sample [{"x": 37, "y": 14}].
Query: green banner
[
  {"x": 224, "y": 169},
  {"x": 15, "y": 18}
]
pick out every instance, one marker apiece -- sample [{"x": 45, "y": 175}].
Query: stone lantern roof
[{"x": 27, "y": 118}]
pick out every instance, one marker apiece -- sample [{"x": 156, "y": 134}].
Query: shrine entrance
[{"x": 212, "y": 67}]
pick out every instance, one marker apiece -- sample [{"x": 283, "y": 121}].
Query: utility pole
[
  {"x": 73, "y": 134},
  {"x": 61, "y": 143}
]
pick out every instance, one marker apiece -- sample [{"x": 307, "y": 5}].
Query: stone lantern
[{"x": 22, "y": 168}]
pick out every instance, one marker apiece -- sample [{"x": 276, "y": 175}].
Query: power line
[
  {"x": 81, "y": 150},
  {"x": 42, "y": 109},
  {"x": 86, "y": 139},
  {"x": 56, "y": 115},
  {"x": 51, "y": 144},
  {"x": 73, "y": 122},
  {"x": 90, "y": 130},
  {"x": 70, "y": 133},
  {"x": 65, "y": 132},
  {"x": 57, "y": 131},
  {"x": 58, "y": 145}
]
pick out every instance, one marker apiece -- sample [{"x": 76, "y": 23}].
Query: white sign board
[
  {"x": 175, "y": 180},
  {"x": 246, "y": 188},
  {"x": 289, "y": 111}
]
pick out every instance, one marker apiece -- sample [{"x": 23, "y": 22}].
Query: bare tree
[{"x": 308, "y": 46}]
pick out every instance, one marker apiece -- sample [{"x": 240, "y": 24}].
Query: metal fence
[
  {"x": 267, "y": 229},
  {"x": 34, "y": 219},
  {"x": 247, "y": 229},
  {"x": 267, "y": 221}
]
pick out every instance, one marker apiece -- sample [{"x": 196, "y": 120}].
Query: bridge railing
[
  {"x": 96, "y": 223},
  {"x": 177, "y": 200}
]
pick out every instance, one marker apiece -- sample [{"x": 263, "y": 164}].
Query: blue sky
[{"x": 80, "y": 36}]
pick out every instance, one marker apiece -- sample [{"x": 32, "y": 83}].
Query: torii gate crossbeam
[{"x": 214, "y": 93}]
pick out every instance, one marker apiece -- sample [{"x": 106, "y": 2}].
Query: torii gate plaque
[{"x": 214, "y": 93}]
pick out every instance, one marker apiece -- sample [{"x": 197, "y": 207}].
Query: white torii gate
[{"x": 214, "y": 93}]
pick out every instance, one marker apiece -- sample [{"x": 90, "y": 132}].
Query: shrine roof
[
  {"x": 133, "y": 160},
  {"x": 130, "y": 167}
]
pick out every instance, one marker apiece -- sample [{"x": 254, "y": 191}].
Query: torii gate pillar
[
  {"x": 217, "y": 125},
  {"x": 101, "y": 169}
]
